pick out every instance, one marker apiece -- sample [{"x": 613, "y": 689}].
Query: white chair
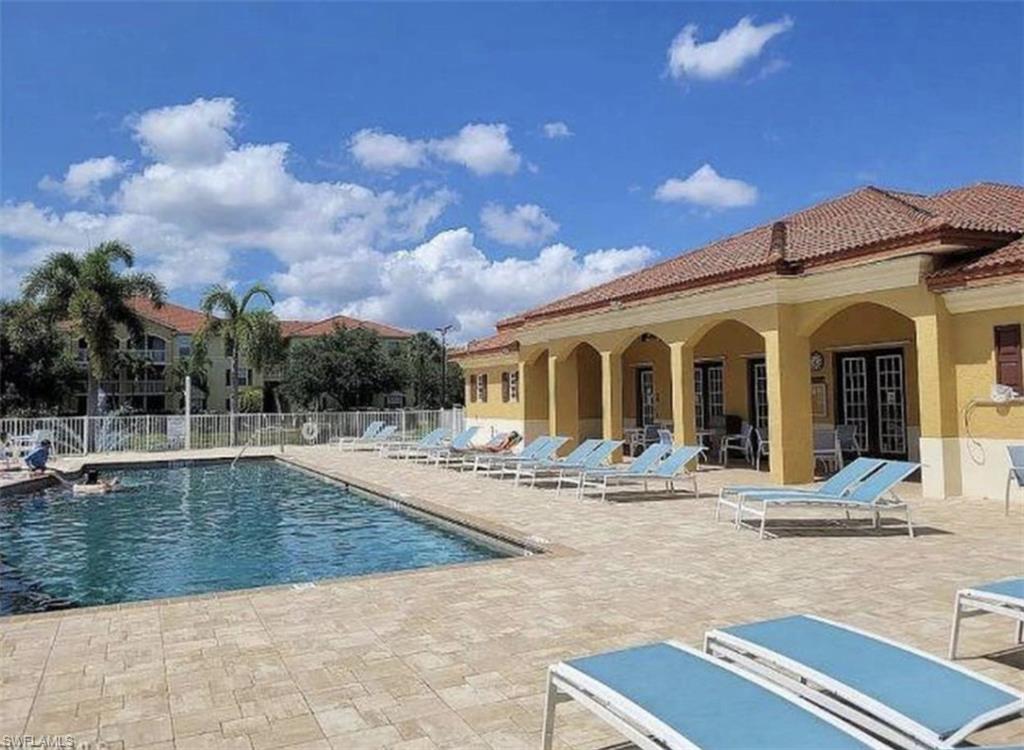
[
  {"x": 762, "y": 446},
  {"x": 846, "y": 435},
  {"x": 827, "y": 450},
  {"x": 741, "y": 443}
]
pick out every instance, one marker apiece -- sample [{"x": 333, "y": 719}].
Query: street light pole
[{"x": 443, "y": 331}]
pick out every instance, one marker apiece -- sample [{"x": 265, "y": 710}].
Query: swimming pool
[{"x": 206, "y": 527}]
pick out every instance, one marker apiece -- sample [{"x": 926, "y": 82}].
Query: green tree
[
  {"x": 91, "y": 294},
  {"x": 350, "y": 366},
  {"x": 264, "y": 346},
  {"x": 420, "y": 362},
  {"x": 196, "y": 365},
  {"x": 236, "y": 324},
  {"x": 36, "y": 368}
]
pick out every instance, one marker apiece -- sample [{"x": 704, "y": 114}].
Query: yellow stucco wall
[
  {"x": 974, "y": 353},
  {"x": 734, "y": 344},
  {"x": 654, "y": 353},
  {"x": 494, "y": 407},
  {"x": 867, "y": 325}
]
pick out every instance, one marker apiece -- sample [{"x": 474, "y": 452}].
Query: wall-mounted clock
[{"x": 817, "y": 361}]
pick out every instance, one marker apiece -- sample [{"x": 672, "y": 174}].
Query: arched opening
[
  {"x": 534, "y": 392},
  {"x": 864, "y": 375},
  {"x": 730, "y": 379},
  {"x": 588, "y": 388},
  {"x": 646, "y": 389}
]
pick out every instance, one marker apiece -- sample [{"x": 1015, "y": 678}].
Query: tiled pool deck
[{"x": 455, "y": 657}]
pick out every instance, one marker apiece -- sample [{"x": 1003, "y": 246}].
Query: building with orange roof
[
  {"x": 888, "y": 314},
  {"x": 169, "y": 330}
]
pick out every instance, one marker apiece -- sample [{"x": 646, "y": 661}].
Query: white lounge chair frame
[
  {"x": 643, "y": 729},
  {"x": 841, "y": 699},
  {"x": 888, "y": 501},
  {"x": 974, "y": 602}
]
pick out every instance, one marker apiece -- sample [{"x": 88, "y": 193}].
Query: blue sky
[{"x": 393, "y": 160}]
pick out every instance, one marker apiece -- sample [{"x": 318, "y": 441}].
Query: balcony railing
[
  {"x": 144, "y": 387},
  {"x": 157, "y": 356}
]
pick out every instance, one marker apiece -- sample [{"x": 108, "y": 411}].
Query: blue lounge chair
[
  {"x": 873, "y": 495},
  {"x": 672, "y": 469},
  {"x": 1004, "y": 597},
  {"x": 1016, "y": 474},
  {"x": 464, "y": 458},
  {"x": 539, "y": 465},
  {"x": 597, "y": 457},
  {"x": 404, "y": 448},
  {"x": 462, "y": 441},
  {"x": 667, "y": 695},
  {"x": 905, "y": 696},
  {"x": 600, "y": 477},
  {"x": 839, "y": 483},
  {"x": 368, "y": 435},
  {"x": 542, "y": 447}
]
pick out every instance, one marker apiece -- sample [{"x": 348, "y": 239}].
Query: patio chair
[
  {"x": 1004, "y": 597},
  {"x": 839, "y": 483},
  {"x": 536, "y": 466},
  {"x": 461, "y": 442},
  {"x": 404, "y": 448},
  {"x": 640, "y": 439},
  {"x": 902, "y": 695},
  {"x": 368, "y": 435},
  {"x": 873, "y": 495},
  {"x": 542, "y": 447},
  {"x": 827, "y": 450},
  {"x": 600, "y": 477},
  {"x": 1016, "y": 473},
  {"x": 672, "y": 469},
  {"x": 846, "y": 434},
  {"x": 464, "y": 458},
  {"x": 741, "y": 443},
  {"x": 762, "y": 446},
  {"x": 669, "y": 696}
]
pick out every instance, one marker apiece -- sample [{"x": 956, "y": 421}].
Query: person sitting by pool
[
  {"x": 511, "y": 439},
  {"x": 93, "y": 485},
  {"x": 36, "y": 458}
]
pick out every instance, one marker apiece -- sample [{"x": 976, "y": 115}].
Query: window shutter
[
  {"x": 1008, "y": 361},
  {"x": 472, "y": 388},
  {"x": 482, "y": 385}
]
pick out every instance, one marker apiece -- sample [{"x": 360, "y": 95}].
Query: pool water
[{"x": 200, "y": 528}]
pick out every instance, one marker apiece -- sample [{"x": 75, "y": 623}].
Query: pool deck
[{"x": 455, "y": 657}]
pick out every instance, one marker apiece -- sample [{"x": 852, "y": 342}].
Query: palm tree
[
  {"x": 92, "y": 295},
  {"x": 194, "y": 365},
  {"x": 263, "y": 344},
  {"x": 238, "y": 325}
]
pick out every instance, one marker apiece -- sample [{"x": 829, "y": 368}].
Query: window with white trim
[{"x": 481, "y": 388}]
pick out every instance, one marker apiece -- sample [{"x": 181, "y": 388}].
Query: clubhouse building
[{"x": 893, "y": 313}]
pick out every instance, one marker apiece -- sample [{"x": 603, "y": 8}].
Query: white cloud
[
  {"x": 297, "y": 308},
  {"x": 187, "y": 133},
  {"x": 706, "y": 187},
  {"x": 82, "y": 180},
  {"x": 557, "y": 130},
  {"x": 448, "y": 278},
  {"x": 720, "y": 58},
  {"x": 484, "y": 149},
  {"x": 374, "y": 149},
  {"x": 524, "y": 225}
]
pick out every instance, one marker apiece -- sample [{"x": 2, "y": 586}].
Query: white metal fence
[{"x": 79, "y": 435}]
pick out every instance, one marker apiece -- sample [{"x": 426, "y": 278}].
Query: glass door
[{"x": 871, "y": 396}]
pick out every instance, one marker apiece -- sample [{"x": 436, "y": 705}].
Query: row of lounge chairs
[{"x": 793, "y": 682}]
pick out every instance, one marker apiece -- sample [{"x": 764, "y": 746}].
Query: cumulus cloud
[
  {"x": 199, "y": 132},
  {"x": 484, "y": 149},
  {"x": 707, "y": 188},
  {"x": 448, "y": 278},
  {"x": 383, "y": 151},
  {"x": 557, "y": 130},
  {"x": 82, "y": 180},
  {"x": 721, "y": 57},
  {"x": 524, "y": 225}
]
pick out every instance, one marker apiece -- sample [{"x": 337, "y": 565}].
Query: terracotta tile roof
[
  {"x": 859, "y": 221},
  {"x": 186, "y": 320},
  {"x": 327, "y": 325},
  {"x": 175, "y": 317},
  {"x": 994, "y": 265},
  {"x": 506, "y": 337}
]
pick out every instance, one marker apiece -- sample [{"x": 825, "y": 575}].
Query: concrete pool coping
[{"x": 515, "y": 546}]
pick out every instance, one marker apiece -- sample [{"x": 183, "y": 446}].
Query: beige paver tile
[
  {"x": 138, "y": 733},
  {"x": 455, "y": 657}
]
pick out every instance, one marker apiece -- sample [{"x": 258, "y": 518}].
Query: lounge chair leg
[
  {"x": 1020, "y": 631},
  {"x": 558, "y": 489},
  {"x": 954, "y": 636},
  {"x": 718, "y": 507},
  {"x": 764, "y": 519},
  {"x": 910, "y": 524},
  {"x": 550, "y": 703},
  {"x": 518, "y": 474}
]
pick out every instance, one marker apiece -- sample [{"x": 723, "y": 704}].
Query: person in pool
[
  {"x": 93, "y": 485},
  {"x": 36, "y": 458}
]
